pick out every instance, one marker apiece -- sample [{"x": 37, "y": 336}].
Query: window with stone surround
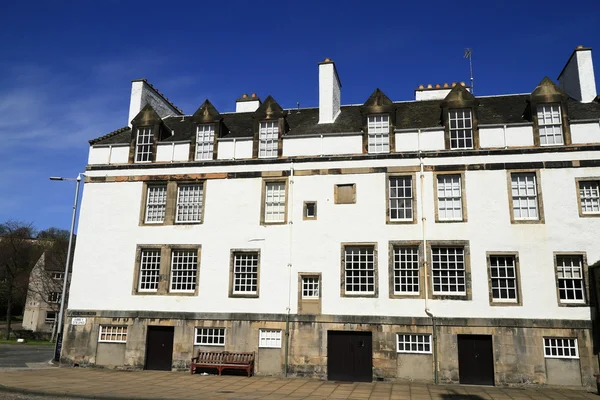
[
  {"x": 310, "y": 287},
  {"x": 143, "y": 144},
  {"x": 378, "y": 127},
  {"x": 589, "y": 197},
  {"x": 550, "y": 124},
  {"x": 269, "y": 338},
  {"x": 189, "y": 203},
  {"x": 524, "y": 196},
  {"x": 58, "y": 275},
  {"x": 359, "y": 269},
  {"x": 245, "y": 270},
  {"x": 149, "y": 274},
  {"x": 274, "y": 202},
  {"x": 54, "y": 297},
  {"x": 503, "y": 276},
  {"x": 268, "y": 139},
  {"x": 112, "y": 334},
  {"x": 449, "y": 198},
  {"x": 156, "y": 204},
  {"x": 560, "y": 348},
  {"x": 209, "y": 337},
  {"x": 570, "y": 273},
  {"x": 184, "y": 270},
  {"x": 400, "y": 199},
  {"x": 406, "y": 273},
  {"x": 413, "y": 343},
  {"x": 461, "y": 128},
  {"x": 205, "y": 141},
  {"x": 448, "y": 267},
  {"x": 50, "y": 317}
]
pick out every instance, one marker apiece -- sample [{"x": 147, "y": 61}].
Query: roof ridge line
[{"x": 108, "y": 135}]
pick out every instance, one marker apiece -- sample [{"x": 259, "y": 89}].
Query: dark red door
[
  {"x": 475, "y": 359},
  {"x": 159, "y": 348},
  {"x": 349, "y": 356}
]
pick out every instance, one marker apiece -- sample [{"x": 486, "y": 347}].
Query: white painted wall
[
  {"x": 428, "y": 140},
  {"x": 577, "y": 79},
  {"x": 112, "y": 154},
  {"x": 431, "y": 94},
  {"x": 585, "y": 133},
  {"x": 407, "y": 141},
  {"x": 492, "y": 137},
  {"x": 247, "y": 106},
  {"x": 519, "y": 136},
  {"x": 324, "y": 145},
  {"x": 168, "y": 152},
  {"x": 235, "y": 149},
  {"x": 142, "y": 94},
  {"x": 329, "y": 93},
  {"x": 516, "y": 136}
]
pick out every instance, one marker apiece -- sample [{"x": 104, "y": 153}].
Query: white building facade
[{"x": 446, "y": 239}]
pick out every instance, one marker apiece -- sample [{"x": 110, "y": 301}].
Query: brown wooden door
[
  {"x": 349, "y": 356},
  {"x": 159, "y": 348},
  {"x": 475, "y": 359}
]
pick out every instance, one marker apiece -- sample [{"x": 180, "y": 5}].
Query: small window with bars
[
  {"x": 205, "y": 141},
  {"x": 550, "y": 124},
  {"x": 378, "y": 128},
  {"x": 449, "y": 197},
  {"x": 400, "y": 194},
  {"x": 189, "y": 203},
  {"x": 503, "y": 278},
  {"x": 54, "y": 297},
  {"x": 560, "y": 348},
  {"x": 406, "y": 270},
  {"x": 448, "y": 270},
  {"x": 359, "y": 270},
  {"x": 268, "y": 139},
  {"x": 461, "y": 129},
  {"x": 210, "y": 337},
  {"x": 310, "y": 287},
  {"x": 112, "y": 334},
  {"x": 184, "y": 269},
  {"x": 143, "y": 145},
  {"x": 274, "y": 207},
  {"x": 149, "y": 270},
  {"x": 570, "y": 278},
  {"x": 156, "y": 204},
  {"x": 589, "y": 197},
  {"x": 269, "y": 338},
  {"x": 413, "y": 343},
  {"x": 50, "y": 317},
  {"x": 245, "y": 273},
  {"x": 524, "y": 196}
]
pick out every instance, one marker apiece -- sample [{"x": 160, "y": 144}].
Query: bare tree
[{"x": 19, "y": 251}]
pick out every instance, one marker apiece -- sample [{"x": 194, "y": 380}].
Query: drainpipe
[
  {"x": 234, "y": 148},
  {"x": 172, "y": 151},
  {"x": 109, "y": 153},
  {"x": 321, "y": 145},
  {"x": 289, "y": 305},
  {"x": 504, "y": 132},
  {"x": 425, "y": 260}
]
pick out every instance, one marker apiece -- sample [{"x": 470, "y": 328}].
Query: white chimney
[
  {"x": 329, "y": 92},
  {"x": 143, "y": 93},
  {"x": 435, "y": 92},
  {"x": 247, "y": 103},
  {"x": 577, "y": 77}
]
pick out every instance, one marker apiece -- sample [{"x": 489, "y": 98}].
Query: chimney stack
[
  {"x": 577, "y": 77},
  {"x": 247, "y": 103},
  {"x": 329, "y": 92},
  {"x": 142, "y": 93},
  {"x": 435, "y": 92}
]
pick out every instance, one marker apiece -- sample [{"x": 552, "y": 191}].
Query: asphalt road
[{"x": 19, "y": 355}]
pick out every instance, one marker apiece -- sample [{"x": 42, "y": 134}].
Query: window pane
[
  {"x": 274, "y": 202},
  {"x": 359, "y": 268},
  {"x": 156, "y": 204},
  {"x": 524, "y": 196},
  {"x": 378, "y": 128},
  {"x": 400, "y": 198},
  {"x": 406, "y": 270},
  {"x": 503, "y": 277},
  {"x": 448, "y": 270},
  {"x": 268, "y": 137},
  {"x": 449, "y": 198},
  {"x": 589, "y": 196},
  {"x": 205, "y": 139},
  {"x": 245, "y": 273},
  {"x": 410, "y": 343},
  {"x": 184, "y": 268},
  {"x": 210, "y": 336},
  {"x": 550, "y": 124},
  {"x": 569, "y": 275},
  {"x": 143, "y": 145},
  {"x": 461, "y": 129},
  {"x": 189, "y": 203},
  {"x": 310, "y": 287}
]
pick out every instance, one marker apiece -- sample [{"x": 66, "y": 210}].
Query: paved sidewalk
[{"x": 99, "y": 383}]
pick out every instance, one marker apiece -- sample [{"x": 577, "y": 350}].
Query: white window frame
[
  {"x": 205, "y": 333},
  {"x": 589, "y": 196},
  {"x": 437, "y": 270},
  {"x": 269, "y": 338},
  {"x": 50, "y": 320},
  {"x": 181, "y": 259},
  {"x": 275, "y": 202},
  {"x": 119, "y": 332},
  {"x": 58, "y": 275},
  {"x": 190, "y": 199},
  {"x": 565, "y": 276},
  {"x": 495, "y": 280},
  {"x": 205, "y": 141},
  {"x": 460, "y": 123},
  {"x": 156, "y": 204},
  {"x": 240, "y": 269},
  {"x": 561, "y": 345},
  {"x": 550, "y": 124},
  {"x": 449, "y": 197},
  {"x": 54, "y": 297},
  {"x": 399, "y": 200},
  {"x": 407, "y": 270},
  {"x": 378, "y": 130},
  {"x": 144, "y": 142},
  {"x": 354, "y": 271},
  {"x": 524, "y": 190},
  {"x": 149, "y": 269},
  {"x": 268, "y": 139},
  {"x": 413, "y": 342},
  {"x": 311, "y": 287}
]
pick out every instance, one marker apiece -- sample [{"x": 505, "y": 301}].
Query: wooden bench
[{"x": 221, "y": 360}]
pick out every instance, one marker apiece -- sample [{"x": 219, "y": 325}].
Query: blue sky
[{"x": 66, "y": 66}]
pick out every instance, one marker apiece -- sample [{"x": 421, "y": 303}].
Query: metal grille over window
[
  {"x": 589, "y": 194},
  {"x": 149, "y": 270},
  {"x": 569, "y": 271},
  {"x": 408, "y": 343},
  {"x": 268, "y": 137},
  {"x": 524, "y": 196},
  {"x": 449, "y": 198},
  {"x": 503, "y": 275},
  {"x": 406, "y": 270},
  {"x": 269, "y": 338},
  {"x": 245, "y": 273},
  {"x": 401, "y": 198},
  {"x": 310, "y": 287},
  {"x": 205, "y": 141},
  {"x": 189, "y": 203},
  {"x": 156, "y": 204},
  {"x": 115, "y": 334},
  {"x": 461, "y": 129},
  {"x": 448, "y": 270},
  {"x": 550, "y": 124},
  {"x": 184, "y": 268},
  {"x": 359, "y": 266},
  {"x": 143, "y": 145},
  {"x": 378, "y": 127},
  {"x": 275, "y": 202},
  {"x": 560, "y": 348},
  {"x": 210, "y": 336}
]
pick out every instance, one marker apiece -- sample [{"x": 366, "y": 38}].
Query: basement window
[
  {"x": 112, "y": 334},
  {"x": 560, "y": 348},
  {"x": 269, "y": 338},
  {"x": 409, "y": 343},
  {"x": 210, "y": 336}
]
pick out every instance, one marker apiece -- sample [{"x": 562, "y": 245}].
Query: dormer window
[
  {"x": 378, "y": 127},
  {"x": 143, "y": 144},
  {"x": 550, "y": 124},
  {"x": 268, "y": 137},
  {"x": 205, "y": 141},
  {"x": 461, "y": 128}
]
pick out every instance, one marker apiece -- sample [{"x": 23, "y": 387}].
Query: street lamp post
[{"x": 59, "y": 333}]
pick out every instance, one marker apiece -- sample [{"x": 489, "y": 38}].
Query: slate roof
[{"x": 409, "y": 115}]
